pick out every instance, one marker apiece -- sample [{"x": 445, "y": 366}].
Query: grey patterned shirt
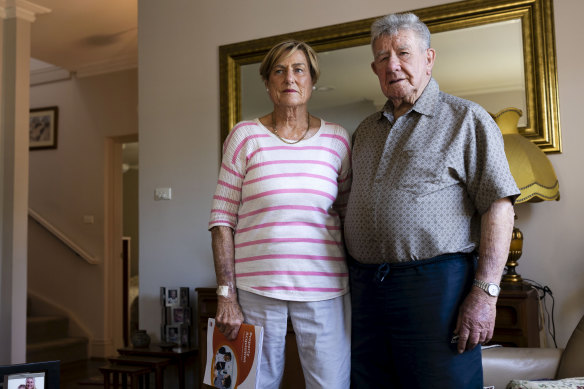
[{"x": 422, "y": 182}]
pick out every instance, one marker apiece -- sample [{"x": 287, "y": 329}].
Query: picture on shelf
[
  {"x": 178, "y": 315},
  {"x": 187, "y": 316},
  {"x": 184, "y": 297},
  {"x": 172, "y": 298},
  {"x": 163, "y": 296},
  {"x": 172, "y": 333},
  {"x": 185, "y": 338}
]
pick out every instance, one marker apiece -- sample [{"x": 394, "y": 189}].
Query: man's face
[{"x": 402, "y": 66}]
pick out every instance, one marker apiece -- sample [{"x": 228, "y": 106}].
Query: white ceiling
[
  {"x": 86, "y": 37},
  {"x": 101, "y": 36}
]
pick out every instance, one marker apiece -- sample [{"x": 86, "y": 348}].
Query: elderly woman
[{"x": 276, "y": 226}]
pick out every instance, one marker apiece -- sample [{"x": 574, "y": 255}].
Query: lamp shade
[{"x": 530, "y": 167}]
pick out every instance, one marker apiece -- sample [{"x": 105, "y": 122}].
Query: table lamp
[{"x": 533, "y": 174}]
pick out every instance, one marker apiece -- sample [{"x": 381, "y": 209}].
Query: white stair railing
[{"x": 64, "y": 238}]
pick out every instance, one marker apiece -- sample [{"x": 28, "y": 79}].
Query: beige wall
[
  {"x": 67, "y": 184},
  {"x": 179, "y": 140}
]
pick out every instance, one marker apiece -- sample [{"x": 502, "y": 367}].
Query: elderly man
[{"x": 428, "y": 225}]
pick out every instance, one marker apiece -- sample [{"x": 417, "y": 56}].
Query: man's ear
[
  {"x": 430, "y": 58},
  {"x": 373, "y": 67}
]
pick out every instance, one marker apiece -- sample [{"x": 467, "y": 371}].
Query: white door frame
[{"x": 113, "y": 272}]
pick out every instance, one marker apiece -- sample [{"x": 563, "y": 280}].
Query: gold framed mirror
[{"x": 529, "y": 23}]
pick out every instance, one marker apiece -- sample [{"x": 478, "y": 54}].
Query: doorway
[
  {"x": 130, "y": 237},
  {"x": 121, "y": 242}
]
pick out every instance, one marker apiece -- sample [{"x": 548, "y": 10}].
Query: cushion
[
  {"x": 572, "y": 364},
  {"x": 572, "y": 383}
]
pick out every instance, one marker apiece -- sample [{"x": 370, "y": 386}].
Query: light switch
[
  {"x": 162, "y": 194},
  {"x": 88, "y": 219}
]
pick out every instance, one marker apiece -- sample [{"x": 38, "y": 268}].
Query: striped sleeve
[
  {"x": 227, "y": 197},
  {"x": 344, "y": 179}
]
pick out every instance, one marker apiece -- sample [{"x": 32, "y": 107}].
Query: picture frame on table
[
  {"x": 179, "y": 334},
  {"x": 184, "y": 296},
  {"x": 49, "y": 370},
  {"x": 16, "y": 381},
  {"x": 43, "y": 128},
  {"x": 173, "y": 333},
  {"x": 172, "y": 297}
]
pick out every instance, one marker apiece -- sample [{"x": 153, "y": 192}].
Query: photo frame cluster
[{"x": 176, "y": 315}]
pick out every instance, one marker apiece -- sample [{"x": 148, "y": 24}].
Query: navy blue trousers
[{"x": 403, "y": 318}]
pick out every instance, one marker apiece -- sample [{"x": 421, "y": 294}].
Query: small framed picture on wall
[{"x": 43, "y": 125}]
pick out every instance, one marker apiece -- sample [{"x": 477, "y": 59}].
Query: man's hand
[
  {"x": 229, "y": 316},
  {"x": 476, "y": 316},
  {"x": 476, "y": 320}
]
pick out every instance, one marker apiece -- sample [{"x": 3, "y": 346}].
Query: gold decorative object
[
  {"x": 532, "y": 170},
  {"x": 539, "y": 56},
  {"x": 533, "y": 174}
]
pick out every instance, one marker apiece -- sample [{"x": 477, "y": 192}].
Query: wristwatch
[{"x": 489, "y": 288}]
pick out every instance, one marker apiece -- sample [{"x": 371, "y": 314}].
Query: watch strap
[{"x": 485, "y": 286}]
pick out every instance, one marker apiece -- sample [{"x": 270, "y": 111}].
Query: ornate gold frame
[{"x": 539, "y": 53}]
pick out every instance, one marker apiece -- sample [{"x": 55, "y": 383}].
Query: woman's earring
[{"x": 314, "y": 87}]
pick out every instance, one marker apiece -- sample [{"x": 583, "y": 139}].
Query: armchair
[{"x": 503, "y": 364}]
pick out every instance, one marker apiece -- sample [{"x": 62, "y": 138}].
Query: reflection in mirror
[
  {"x": 499, "y": 54},
  {"x": 483, "y": 64}
]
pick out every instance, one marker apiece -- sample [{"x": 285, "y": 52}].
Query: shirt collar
[{"x": 424, "y": 105}]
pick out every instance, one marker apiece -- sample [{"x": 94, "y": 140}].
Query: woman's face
[{"x": 290, "y": 82}]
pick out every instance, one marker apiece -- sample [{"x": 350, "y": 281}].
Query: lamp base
[
  {"x": 511, "y": 279},
  {"x": 514, "y": 285}
]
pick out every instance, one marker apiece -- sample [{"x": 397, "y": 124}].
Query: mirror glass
[
  {"x": 483, "y": 64},
  {"x": 499, "y": 53}
]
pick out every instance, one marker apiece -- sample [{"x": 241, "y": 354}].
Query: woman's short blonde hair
[{"x": 282, "y": 51}]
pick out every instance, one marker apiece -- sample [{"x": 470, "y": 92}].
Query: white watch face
[{"x": 493, "y": 290}]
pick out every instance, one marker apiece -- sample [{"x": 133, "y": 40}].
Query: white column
[{"x": 16, "y": 17}]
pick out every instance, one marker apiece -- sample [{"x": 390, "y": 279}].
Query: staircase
[{"x": 48, "y": 339}]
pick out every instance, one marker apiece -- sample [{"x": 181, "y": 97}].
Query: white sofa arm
[{"x": 502, "y": 364}]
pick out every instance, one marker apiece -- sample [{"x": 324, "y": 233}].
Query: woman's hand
[{"x": 229, "y": 316}]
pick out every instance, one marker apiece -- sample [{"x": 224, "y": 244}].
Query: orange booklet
[{"x": 233, "y": 363}]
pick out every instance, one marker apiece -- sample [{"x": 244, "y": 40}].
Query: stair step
[
  {"x": 44, "y": 328},
  {"x": 64, "y": 349}
]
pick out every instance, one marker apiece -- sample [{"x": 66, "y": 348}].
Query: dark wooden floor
[{"x": 82, "y": 374}]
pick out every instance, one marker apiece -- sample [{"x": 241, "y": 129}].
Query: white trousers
[{"x": 323, "y": 335}]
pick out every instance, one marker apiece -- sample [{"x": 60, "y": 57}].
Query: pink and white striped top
[{"x": 285, "y": 203}]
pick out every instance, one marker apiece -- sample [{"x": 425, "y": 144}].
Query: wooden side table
[
  {"x": 177, "y": 356},
  {"x": 517, "y": 322},
  {"x": 138, "y": 376},
  {"x": 155, "y": 363}
]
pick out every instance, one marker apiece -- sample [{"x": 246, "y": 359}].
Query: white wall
[
  {"x": 179, "y": 139},
  {"x": 554, "y": 239},
  {"x": 67, "y": 183}
]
